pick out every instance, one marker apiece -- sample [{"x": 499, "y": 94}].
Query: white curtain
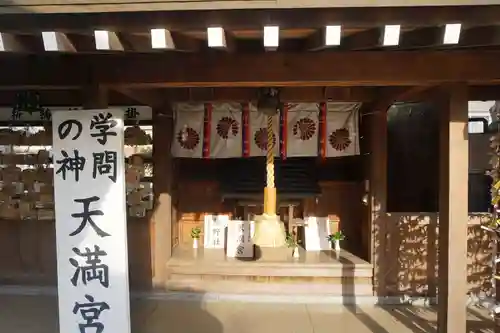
[
  {"x": 188, "y": 134},
  {"x": 302, "y": 129},
  {"x": 226, "y": 129},
  {"x": 258, "y": 133},
  {"x": 342, "y": 132}
]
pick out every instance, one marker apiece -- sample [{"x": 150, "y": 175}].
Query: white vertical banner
[
  {"x": 302, "y": 129},
  {"x": 226, "y": 139},
  {"x": 342, "y": 132},
  {"x": 91, "y": 229},
  {"x": 188, "y": 131},
  {"x": 258, "y": 134}
]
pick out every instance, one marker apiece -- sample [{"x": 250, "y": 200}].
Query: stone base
[
  {"x": 273, "y": 254},
  {"x": 269, "y": 232}
]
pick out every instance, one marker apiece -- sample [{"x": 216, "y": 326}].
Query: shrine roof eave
[{"x": 94, "y": 6}]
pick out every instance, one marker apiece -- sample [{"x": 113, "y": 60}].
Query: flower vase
[
  {"x": 336, "y": 244},
  {"x": 195, "y": 243},
  {"x": 295, "y": 253}
]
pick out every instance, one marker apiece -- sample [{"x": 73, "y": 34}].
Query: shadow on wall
[{"x": 409, "y": 255}]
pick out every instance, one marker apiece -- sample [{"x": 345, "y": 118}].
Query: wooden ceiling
[
  {"x": 301, "y": 30},
  {"x": 297, "y": 18},
  {"x": 354, "y": 70},
  {"x": 251, "y": 41},
  {"x": 94, "y": 6}
]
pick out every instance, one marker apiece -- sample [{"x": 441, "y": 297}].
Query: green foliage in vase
[
  {"x": 338, "y": 236},
  {"x": 290, "y": 241},
  {"x": 195, "y": 233}
]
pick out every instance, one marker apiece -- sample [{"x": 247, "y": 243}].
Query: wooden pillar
[
  {"x": 453, "y": 212},
  {"x": 378, "y": 196},
  {"x": 163, "y": 126},
  {"x": 95, "y": 97}
]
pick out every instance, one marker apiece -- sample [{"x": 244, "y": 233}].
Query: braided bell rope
[{"x": 270, "y": 155}]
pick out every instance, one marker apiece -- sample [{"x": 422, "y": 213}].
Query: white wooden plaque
[
  {"x": 239, "y": 239},
  {"x": 317, "y": 230},
  {"x": 215, "y": 231},
  {"x": 91, "y": 230}
]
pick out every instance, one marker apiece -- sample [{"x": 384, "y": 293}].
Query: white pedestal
[
  {"x": 317, "y": 230},
  {"x": 269, "y": 231}
]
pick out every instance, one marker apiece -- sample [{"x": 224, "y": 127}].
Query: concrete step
[
  {"x": 313, "y": 273},
  {"x": 254, "y": 269},
  {"x": 256, "y": 288}
]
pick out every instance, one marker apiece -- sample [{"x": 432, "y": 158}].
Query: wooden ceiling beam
[
  {"x": 135, "y": 42},
  {"x": 360, "y": 94},
  {"x": 316, "y": 41},
  {"x": 220, "y": 39},
  {"x": 152, "y": 98},
  {"x": 432, "y": 37},
  {"x": 319, "y": 40},
  {"x": 484, "y": 93},
  {"x": 163, "y": 39},
  {"x": 90, "y": 42},
  {"x": 57, "y": 42},
  {"x": 138, "y": 42},
  {"x": 244, "y": 45},
  {"x": 290, "y": 94},
  {"x": 83, "y": 43},
  {"x": 393, "y": 95},
  {"x": 11, "y": 43},
  {"x": 192, "y": 20},
  {"x": 156, "y": 97},
  {"x": 363, "y": 40},
  {"x": 422, "y": 38},
  {"x": 106, "y": 40},
  {"x": 186, "y": 43},
  {"x": 482, "y": 36},
  {"x": 92, "y": 6},
  {"x": 253, "y": 70},
  {"x": 73, "y": 97}
]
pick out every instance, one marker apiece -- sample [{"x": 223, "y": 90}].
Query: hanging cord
[{"x": 270, "y": 155}]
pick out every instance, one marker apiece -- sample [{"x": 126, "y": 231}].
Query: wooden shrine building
[{"x": 159, "y": 59}]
